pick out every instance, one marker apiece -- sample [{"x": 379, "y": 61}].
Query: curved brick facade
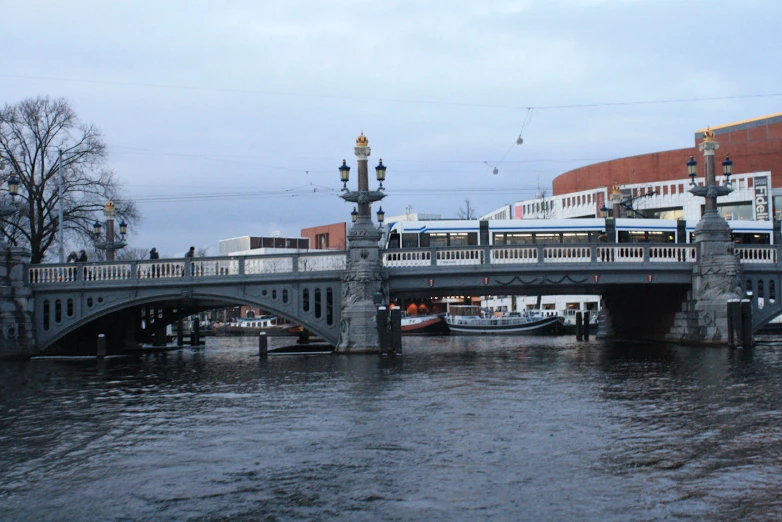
[{"x": 754, "y": 146}]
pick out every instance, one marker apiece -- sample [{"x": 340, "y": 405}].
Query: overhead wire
[{"x": 395, "y": 100}]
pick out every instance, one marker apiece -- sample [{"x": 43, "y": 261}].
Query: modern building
[
  {"x": 754, "y": 146},
  {"x": 259, "y": 245}
]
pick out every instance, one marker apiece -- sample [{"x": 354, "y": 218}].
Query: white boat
[
  {"x": 424, "y": 325},
  {"x": 472, "y": 320}
]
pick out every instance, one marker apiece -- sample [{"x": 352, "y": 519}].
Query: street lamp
[
  {"x": 354, "y": 215},
  {"x": 110, "y": 245},
  {"x": 727, "y": 170},
  {"x": 344, "y": 175},
  {"x": 692, "y": 170},
  {"x": 380, "y": 216},
  {"x": 380, "y": 170}
]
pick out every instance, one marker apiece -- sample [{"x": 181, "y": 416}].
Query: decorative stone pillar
[
  {"x": 716, "y": 278},
  {"x": 17, "y": 332},
  {"x": 364, "y": 282}
]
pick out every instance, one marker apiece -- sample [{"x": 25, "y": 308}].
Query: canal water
[{"x": 461, "y": 428}]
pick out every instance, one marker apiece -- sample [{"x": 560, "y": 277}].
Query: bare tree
[
  {"x": 467, "y": 211},
  {"x": 202, "y": 251},
  {"x": 31, "y": 133}
]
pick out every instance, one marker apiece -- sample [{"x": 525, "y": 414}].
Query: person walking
[
  {"x": 153, "y": 254},
  {"x": 191, "y": 252},
  {"x": 82, "y": 256},
  {"x": 72, "y": 257}
]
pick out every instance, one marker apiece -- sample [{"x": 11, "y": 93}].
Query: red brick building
[
  {"x": 327, "y": 237},
  {"x": 754, "y": 146}
]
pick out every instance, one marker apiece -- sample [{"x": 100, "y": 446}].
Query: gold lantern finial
[
  {"x": 109, "y": 206},
  {"x": 708, "y": 135}
]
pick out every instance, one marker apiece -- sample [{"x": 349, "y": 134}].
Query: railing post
[
  {"x": 540, "y": 253},
  {"x": 433, "y": 260},
  {"x": 295, "y": 263},
  {"x": 241, "y": 266}
]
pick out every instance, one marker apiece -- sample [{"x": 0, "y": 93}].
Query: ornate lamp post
[
  {"x": 363, "y": 277},
  {"x": 110, "y": 245},
  {"x": 717, "y": 274}
]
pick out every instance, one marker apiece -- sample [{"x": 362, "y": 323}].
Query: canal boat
[
  {"x": 424, "y": 325},
  {"x": 472, "y": 320},
  {"x": 254, "y": 326}
]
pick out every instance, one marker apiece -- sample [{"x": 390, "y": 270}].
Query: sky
[{"x": 231, "y": 118}]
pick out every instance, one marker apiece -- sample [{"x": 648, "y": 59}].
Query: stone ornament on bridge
[{"x": 364, "y": 274}]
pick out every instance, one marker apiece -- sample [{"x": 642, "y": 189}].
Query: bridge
[
  {"x": 677, "y": 292},
  {"x": 129, "y": 301}
]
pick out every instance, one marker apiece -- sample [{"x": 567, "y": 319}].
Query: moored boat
[
  {"x": 463, "y": 321},
  {"x": 254, "y": 326},
  {"x": 424, "y": 325}
]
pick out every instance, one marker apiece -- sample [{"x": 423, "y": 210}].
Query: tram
[{"x": 447, "y": 232}]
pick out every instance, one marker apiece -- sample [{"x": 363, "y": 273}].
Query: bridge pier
[
  {"x": 364, "y": 285},
  {"x": 17, "y": 330},
  {"x": 716, "y": 277}
]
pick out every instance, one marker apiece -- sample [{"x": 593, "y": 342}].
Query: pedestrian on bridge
[
  {"x": 153, "y": 254},
  {"x": 82, "y": 256},
  {"x": 191, "y": 252}
]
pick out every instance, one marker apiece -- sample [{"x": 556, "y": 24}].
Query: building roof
[{"x": 743, "y": 124}]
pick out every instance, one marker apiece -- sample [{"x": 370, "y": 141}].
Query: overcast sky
[{"x": 250, "y": 107}]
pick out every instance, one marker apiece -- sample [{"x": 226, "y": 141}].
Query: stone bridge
[{"x": 128, "y": 301}]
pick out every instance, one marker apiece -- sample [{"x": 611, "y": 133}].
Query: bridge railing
[
  {"x": 200, "y": 267},
  {"x": 542, "y": 254},
  {"x": 757, "y": 254}
]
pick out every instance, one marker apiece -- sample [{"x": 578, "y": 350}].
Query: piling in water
[
  {"x": 101, "y": 352},
  {"x": 263, "y": 345}
]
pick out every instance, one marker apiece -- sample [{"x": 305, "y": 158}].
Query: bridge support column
[
  {"x": 363, "y": 284},
  {"x": 716, "y": 278},
  {"x": 17, "y": 331}
]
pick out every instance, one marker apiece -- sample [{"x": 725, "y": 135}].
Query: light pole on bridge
[
  {"x": 717, "y": 274},
  {"x": 110, "y": 245},
  {"x": 363, "y": 283}
]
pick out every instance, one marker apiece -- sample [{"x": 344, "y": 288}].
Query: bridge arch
[{"x": 313, "y": 304}]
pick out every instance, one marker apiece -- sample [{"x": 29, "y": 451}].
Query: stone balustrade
[{"x": 441, "y": 257}]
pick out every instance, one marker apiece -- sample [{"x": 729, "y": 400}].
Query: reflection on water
[{"x": 460, "y": 429}]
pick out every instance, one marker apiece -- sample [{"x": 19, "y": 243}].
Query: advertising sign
[{"x": 761, "y": 198}]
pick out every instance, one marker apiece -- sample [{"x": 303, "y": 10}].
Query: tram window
[
  {"x": 645, "y": 236},
  {"x": 438, "y": 240},
  {"x": 393, "y": 241},
  {"x": 751, "y": 239},
  {"x": 547, "y": 238},
  {"x": 457, "y": 239},
  {"x": 424, "y": 240},
  {"x": 578, "y": 237},
  {"x": 409, "y": 240}
]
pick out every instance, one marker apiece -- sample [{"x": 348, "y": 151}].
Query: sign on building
[{"x": 761, "y": 198}]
